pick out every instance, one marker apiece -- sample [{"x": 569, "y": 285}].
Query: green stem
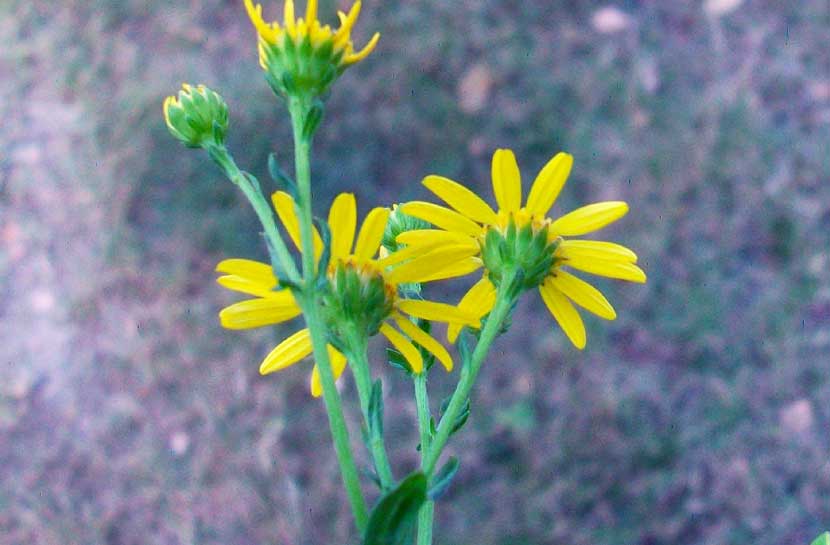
[
  {"x": 250, "y": 187},
  {"x": 427, "y": 511},
  {"x": 359, "y": 362},
  {"x": 314, "y": 321},
  {"x": 504, "y": 301}
]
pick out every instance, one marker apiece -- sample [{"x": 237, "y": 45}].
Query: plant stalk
[
  {"x": 504, "y": 302},
  {"x": 427, "y": 511},
  {"x": 250, "y": 187},
  {"x": 317, "y": 328},
  {"x": 359, "y": 361}
]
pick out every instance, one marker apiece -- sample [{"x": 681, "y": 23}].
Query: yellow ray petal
[
  {"x": 287, "y": 353},
  {"x": 412, "y": 355},
  {"x": 595, "y": 249},
  {"x": 346, "y": 24},
  {"x": 275, "y": 309},
  {"x": 342, "y": 222},
  {"x": 565, "y": 313},
  {"x": 371, "y": 234},
  {"x": 431, "y": 263},
  {"x": 459, "y": 268},
  {"x": 589, "y": 218},
  {"x": 612, "y": 269},
  {"x": 461, "y": 198},
  {"x": 311, "y": 12},
  {"x": 583, "y": 294},
  {"x": 478, "y": 301},
  {"x": 549, "y": 183},
  {"x": 338, "y": 365},
  {"x": 438, "y": 312},
  {"x": 244, "y": 285},
  {"x": 268, "y": 33},
  {"x": 252, "y": 270},
  {"x": 434, "y": 237},
  {"x": 363, "y": 53},
  {"x": 287, "y": 212},
  {"x": 399, "y": 256},
  {"x": 288, "y": 14},
  {"x": 507, "y": 181},
  {"x": 444, "y": 218},
  {"x": 426, "y": 340}
]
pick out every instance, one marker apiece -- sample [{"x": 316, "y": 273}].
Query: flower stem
[
  {"x": 504, "y": 302},
  {"x": 311, "y": 312},
  {"x": 359, "y": 362},
  {"x": 250, "y": 187},
  {"x": 427, "y": 511}
]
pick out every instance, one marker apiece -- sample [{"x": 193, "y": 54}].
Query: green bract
[{"x": 198, "y": 117}]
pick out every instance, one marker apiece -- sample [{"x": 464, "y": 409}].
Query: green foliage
[
  {"x": 442, "y": 479},
  {"x": 823, "y": 539},
  {"x": 392, "y": 520}
]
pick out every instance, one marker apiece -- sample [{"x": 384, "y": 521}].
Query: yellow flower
[
  {"x": 362, "y": 290},
  {"x": 524, "y": 238},
  {"x": 302, "y": 54}
]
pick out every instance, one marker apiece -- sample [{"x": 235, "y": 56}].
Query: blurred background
[{"x": 700, "y": 416}]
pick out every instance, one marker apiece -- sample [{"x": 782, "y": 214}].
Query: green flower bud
[{"x": 198, "y": 117}]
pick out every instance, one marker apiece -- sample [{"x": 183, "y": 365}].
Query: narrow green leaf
[
  {"x": 376, "y": 410},
  {"x": 325, "y": 235},
  {"x": 823, "y": 539},
  {"x": 312, "y": 120},
  {"x": 398, "y": 361},
  {"x": 392, "y": 520},
  {"x": 462, "y": 417},
  {"x": 279, "y": 176},
  {"x": 441, "y": 481}
]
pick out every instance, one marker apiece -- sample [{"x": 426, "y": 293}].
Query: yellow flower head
[
  {"x": 362, "y": 291},
  {"x": 524, "y": 239},
  {"x": 197, "y": 117},
  {"x": 302, "y": 55}
]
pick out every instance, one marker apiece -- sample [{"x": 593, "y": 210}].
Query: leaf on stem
[
  {"x": 441, "y": 481},
  {"x": 398, "y": 361},
  {"x": 376, "y": 410},
  {"x": 280, "y": 177},
  {"x": 392, "y": 520},
  {"x": 462, "y": 417}
]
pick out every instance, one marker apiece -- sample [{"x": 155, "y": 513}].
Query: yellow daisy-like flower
[
  {"x": 523, "y": 238},
  {"x": 362, "y": 291},
  {"x": 310, "y": 53}
]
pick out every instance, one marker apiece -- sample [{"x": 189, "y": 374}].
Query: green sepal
[
  {"x": 288, "y": 83},
  {"x": 392, "y": 520},
  {"x": 376, "y": 410},
  {"x": 312, "y": 119},
  {"x": 462, "y": 417},
  {"x": 279, "y": 176},
  {"x": 219, "y": 132},
  {"x": 441, "y": 481},
  {"x": 823, "y": 539},
  {"x": 398, "y": 361}
]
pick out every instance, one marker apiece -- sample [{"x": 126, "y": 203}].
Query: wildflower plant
[{"x": 350, "y": 284}]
